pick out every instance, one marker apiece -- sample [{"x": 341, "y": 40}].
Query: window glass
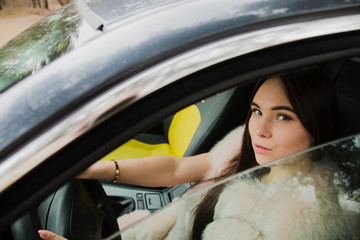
[{"x": 322, "y": 202}]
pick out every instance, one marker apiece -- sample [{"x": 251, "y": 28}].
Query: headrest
[{"x": 347, "y": 83}]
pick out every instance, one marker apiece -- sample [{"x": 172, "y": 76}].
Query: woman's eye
[
  {"x": 256, "y": 111},
  {"x": 283, "y": 117}
]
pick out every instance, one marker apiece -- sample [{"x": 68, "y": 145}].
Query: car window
[
  {"x": 212, "y": 114},
  {"x": 192, "y": 130},
  {"x": 337, "y": 161},
  {"x": 322, "y": 203}
]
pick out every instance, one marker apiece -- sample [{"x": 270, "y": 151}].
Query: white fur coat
[{"x": 300, "y": 208}]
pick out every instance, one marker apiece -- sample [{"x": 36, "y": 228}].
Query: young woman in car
[{"x": 289, "y": 113}]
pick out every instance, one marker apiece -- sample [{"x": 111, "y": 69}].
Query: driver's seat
[{"x": 190, "y": 131}]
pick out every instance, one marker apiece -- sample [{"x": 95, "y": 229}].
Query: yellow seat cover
[{"x": 181, "y": 131}]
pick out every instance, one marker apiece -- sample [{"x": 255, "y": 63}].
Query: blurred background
[{"x": 17, "y": 15}]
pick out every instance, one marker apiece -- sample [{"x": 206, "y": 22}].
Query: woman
[
  {"x": 289, "y": 113},
  {"x": 294, "y": 117},
  {"x": 283, "y": 120}
]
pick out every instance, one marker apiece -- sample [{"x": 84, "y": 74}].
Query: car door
[{"x": 123, "y": 111}]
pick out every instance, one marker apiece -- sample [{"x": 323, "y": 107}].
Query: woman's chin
[{"x": 261, "y": 160}]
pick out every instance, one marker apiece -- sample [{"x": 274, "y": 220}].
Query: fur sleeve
[
  {"x": 230, "y": 228},
  {"x": 224, "y": 151},
  {"x": 299, "y": 208},
  {"x": 156, "y": 226},
  {"x": 310, "y": 211}
]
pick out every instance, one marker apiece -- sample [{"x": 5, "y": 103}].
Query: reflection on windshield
[
  {"x": 319, "y": 202},
  {"x": 39, "y": 45}
]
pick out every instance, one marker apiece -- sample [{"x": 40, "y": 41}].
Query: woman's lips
[{"x": 261, "y": 149}]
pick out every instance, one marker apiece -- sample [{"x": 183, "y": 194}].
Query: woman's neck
[{"x": 282, "y": 172}]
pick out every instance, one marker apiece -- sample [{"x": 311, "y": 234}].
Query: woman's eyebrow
[
  {"x": 283, "y": 108},
  {"x": 254, "y": 104},
  {"x": 275, "y": 108}
]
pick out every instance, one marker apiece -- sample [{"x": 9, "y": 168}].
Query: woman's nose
[{"x": 263, "y": 129}]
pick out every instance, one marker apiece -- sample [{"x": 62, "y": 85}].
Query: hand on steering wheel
[{"x": 47, "y": 235}]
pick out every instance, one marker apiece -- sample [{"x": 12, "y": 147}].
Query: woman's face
[{"x": 275, "y": 129}]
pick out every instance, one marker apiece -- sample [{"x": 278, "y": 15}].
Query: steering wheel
[{"x": 78, "y": 210}]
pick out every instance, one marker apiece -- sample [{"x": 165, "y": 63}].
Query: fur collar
[
  {"x": 248, "y": 209},
  {"x": 224, "y": 151},
  {"x": 298, "y": 208}
]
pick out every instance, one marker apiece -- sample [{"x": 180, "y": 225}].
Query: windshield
[
  {"x": 39, "y": 45},
  {"x": 320, "y": 202}
]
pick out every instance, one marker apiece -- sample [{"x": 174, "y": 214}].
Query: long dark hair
[{"x": 313, "y": 97}]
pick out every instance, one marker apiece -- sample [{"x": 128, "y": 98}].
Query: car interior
[
  {"x": 345, "y": 75},
  {"x": 190, "y": 131}
]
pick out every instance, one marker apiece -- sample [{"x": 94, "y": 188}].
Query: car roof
[
  {"x": 110, "y": 11},
  {"x": 118, "y": 11}
]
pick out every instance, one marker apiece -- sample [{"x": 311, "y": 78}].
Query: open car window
[
  {"x": 192, "y": 130},
  {"x": 322, "y": 203},
  {"x": 335, "y": 164}
]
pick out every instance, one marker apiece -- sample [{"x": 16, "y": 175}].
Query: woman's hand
[{"x": 47, "y": 235}]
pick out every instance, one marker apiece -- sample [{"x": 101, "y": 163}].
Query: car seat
[
  {"x": 346, "y": 76},
  {"x": 190, "y": 131}
]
